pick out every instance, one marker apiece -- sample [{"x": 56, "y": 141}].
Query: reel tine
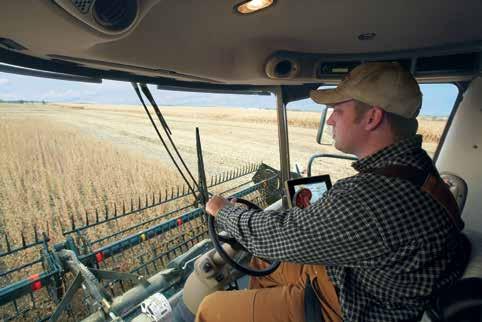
[
  {"x": 22, "y": 237},
  {"x": 72, "y": 221},
  {"x": 7, "y": 243},
  {"x": 35, "y": 232}
]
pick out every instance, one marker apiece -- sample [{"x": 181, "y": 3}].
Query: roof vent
[
  {"x": 115, "y": 15},
  {"x": 282, "y": 68},
  {"x": 112, "y": 18},
  {"x": 83, "y": 5}
]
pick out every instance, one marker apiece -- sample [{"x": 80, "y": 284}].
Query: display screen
[{"x": 303, "y": 192}]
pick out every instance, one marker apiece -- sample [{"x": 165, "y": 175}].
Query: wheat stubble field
[{"x": 64, "y": 159}]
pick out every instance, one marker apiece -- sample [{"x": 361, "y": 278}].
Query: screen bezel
[{"x": 292, "y": 183}]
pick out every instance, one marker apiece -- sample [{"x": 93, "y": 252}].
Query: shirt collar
[{"x": 397, "y": 153}]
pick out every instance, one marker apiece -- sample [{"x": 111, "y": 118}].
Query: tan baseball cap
[{"x": 386, "y": 85}]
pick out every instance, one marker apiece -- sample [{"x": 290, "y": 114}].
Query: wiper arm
[
  {"x": 203, "y": 186},
  {"x": 191, "y": 185}
]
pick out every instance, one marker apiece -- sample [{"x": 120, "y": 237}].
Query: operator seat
[
  {"x": 463, "y": 300},
  {"x": 457, "y": 187}
]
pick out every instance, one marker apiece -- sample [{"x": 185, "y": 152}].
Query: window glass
[
  {"x": 438, "y": 101},
  {"x": 86, "y": 155}
]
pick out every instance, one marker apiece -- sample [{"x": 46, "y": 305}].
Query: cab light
[{"x": 252, "y": 6}]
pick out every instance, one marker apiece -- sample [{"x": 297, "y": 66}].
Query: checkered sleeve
[{"x": 337, "y": 230}]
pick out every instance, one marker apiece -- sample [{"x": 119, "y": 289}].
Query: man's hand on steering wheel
[
  {"x": 216, "y": 203},
  {"x": 212, "y": 208}
]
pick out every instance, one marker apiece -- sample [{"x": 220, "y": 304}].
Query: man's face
[{"x": 348, "y": 133}]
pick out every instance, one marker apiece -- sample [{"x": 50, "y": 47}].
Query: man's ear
[{"x": 374, "y": 118}]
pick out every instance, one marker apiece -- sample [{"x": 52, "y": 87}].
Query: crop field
[{"x": 63, "y": 160}]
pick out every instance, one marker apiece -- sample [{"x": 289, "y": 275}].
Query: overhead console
[
  {"x": 110, "y": 17},
  {"x": 316, "y": 68}
]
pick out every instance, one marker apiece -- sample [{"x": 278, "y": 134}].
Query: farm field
[
  {"x": 57, "y": 158},
  {"x": 63, "y": 160}
]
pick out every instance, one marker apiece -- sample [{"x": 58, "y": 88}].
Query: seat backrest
[
  {"x": 462, "y": 301},
  {"x": 474, "y": 266},
  {"x": 457, "y": 187}
]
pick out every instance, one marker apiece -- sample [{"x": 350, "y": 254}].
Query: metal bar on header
[
  {"x": 284, "y": 152},
  {"x": 35, "y": 282},
  {"x": 139, "y": 237},
  {"x": 243, "y": 171}
]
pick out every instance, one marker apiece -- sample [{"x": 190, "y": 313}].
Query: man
[{"x": 378, "y": 244}]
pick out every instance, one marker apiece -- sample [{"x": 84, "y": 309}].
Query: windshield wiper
[{"x": 192, "y": 185}]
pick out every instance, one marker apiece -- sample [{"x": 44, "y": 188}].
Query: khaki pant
[{"x": 278, "y": 297}]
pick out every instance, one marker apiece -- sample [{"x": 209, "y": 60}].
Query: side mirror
[{"x": 323, "y": 136}]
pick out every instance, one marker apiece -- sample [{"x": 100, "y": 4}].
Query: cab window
[{"x": 304, "y": 119}]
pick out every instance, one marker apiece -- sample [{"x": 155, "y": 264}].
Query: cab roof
[{"x": 209, "y": 44}]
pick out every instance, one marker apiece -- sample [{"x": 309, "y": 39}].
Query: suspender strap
[{"x": 429, "y": 182}]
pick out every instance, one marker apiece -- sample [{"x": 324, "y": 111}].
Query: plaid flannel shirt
[{"x": 387, "y": 246}]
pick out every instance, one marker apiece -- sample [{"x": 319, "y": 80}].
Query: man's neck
[{"x": 373, "y": 145}]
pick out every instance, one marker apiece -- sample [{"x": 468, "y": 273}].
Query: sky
[{"x": 438, "y": 99}]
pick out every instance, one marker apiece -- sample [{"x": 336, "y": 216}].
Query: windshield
[{"x": 83, "y": 161}]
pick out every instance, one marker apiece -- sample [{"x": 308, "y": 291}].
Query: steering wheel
[{"x": 217, "y": 245}]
